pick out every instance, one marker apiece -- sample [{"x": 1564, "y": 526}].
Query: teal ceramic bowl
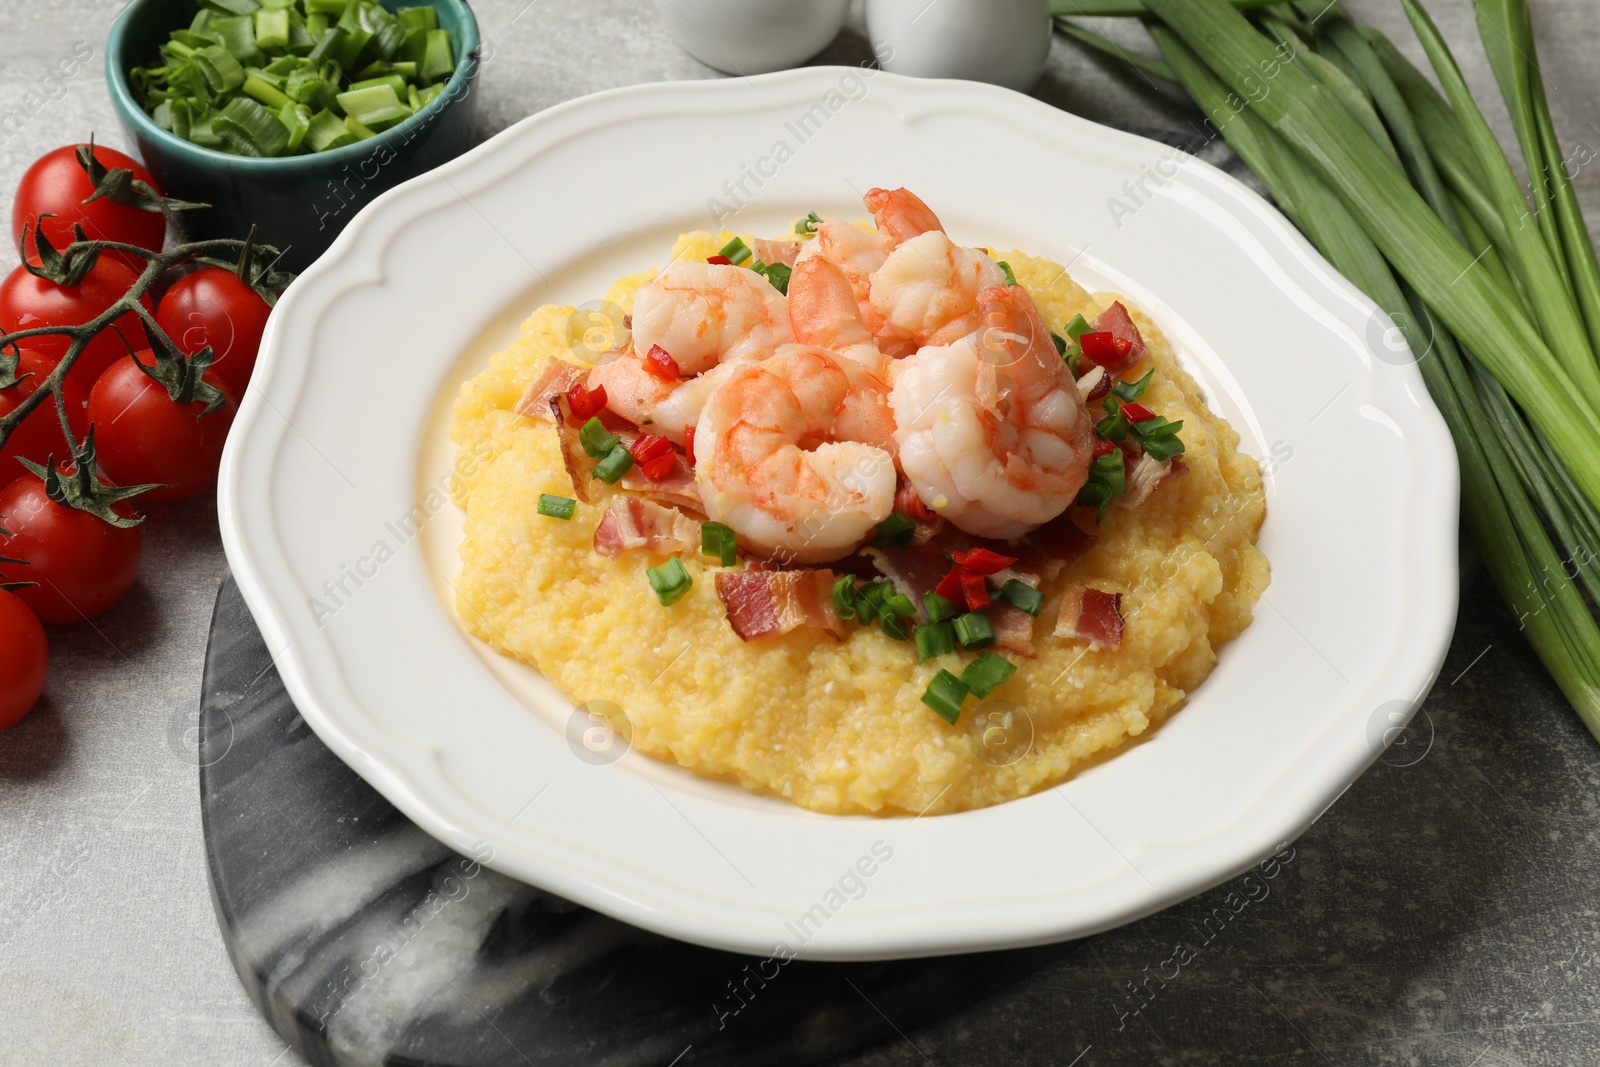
[{"x": 298, "y": 203}]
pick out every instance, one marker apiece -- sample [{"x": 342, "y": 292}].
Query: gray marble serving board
[{"x": 364, "y": 941}]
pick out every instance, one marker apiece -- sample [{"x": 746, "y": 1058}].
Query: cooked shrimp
[
  {"x": 992, "y": 432},
  {"x": 901, "y": 214},
  {"x": 927, "y": 290},
  {"x": 790, "y": 452},
  {"x": 666, "y": 408},
  {"x": 823, "y": 312},
  {"x": 704, "y": 313}
]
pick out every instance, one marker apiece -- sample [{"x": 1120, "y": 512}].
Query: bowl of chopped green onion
[{"x": 289, "y": 115}]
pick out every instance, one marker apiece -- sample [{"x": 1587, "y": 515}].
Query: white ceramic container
[
  {"x": 753, "y": 36},
  {"x": 1004, "y": 42}
]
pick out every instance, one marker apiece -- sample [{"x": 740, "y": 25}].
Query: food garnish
[{"x": 278, "y": 79}]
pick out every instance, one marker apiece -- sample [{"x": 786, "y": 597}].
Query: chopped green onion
[
  {"x": 895, "y": 627},
  {"x": 557, "y": 507},
  {"x": 736, "y": 251},
  {"x": 1020, "y": 594},
  {"x": 776, "y": 273},
  {"x": 248, "y": 129},
  {"x": 808, "y": 224},
  {"x": 220, "y": 69},
  {"x": 937, "y": 608},
  {"x": 272, "y": 30},
  {"x": 935, "y": 639},
  {"x": 614, "y": 465},
  {"x": 986, "y": 673},
  {"x": 296, "y": 118},
  {"x": 844, "y": 597},
  {"x": 436, "y": 60},
  {"x": 974, "y": 630},
  {"x": 1011, "y": 279},
  {"x": 1132, "y": 390},
  {"x": 719, "y": 542},
  {"x": 262, "y": 90},
  {"x": 1108, "y": 479},
  {"x": 670, "y": 580},
  {"x": 372, "y": 69},
  {"x": 945, "y": 694},
  {"x": 327, "y": 131},
  {"x": 596, "y": 439},
  {"x": 895, "y": 531},
  {"x": 418, "y": 18},
  {"x": 376, "y": 107},
  {"x": 1060, "y": 343},
  {"x": 1078, "y": 327}
]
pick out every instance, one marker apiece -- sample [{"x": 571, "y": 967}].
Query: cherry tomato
[
  {"x": 39, "y": 437},
  {"x": 214, "y": 307},
  {"x": 82, "y": 565},
  {"x": 143, "y": 437},
  {"x": 27, "y": 302},
  {"x": 55, "y": 183},
  {"x": 24, "y": 659}
]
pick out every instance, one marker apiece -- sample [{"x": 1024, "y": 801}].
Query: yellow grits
[{"x": 839, "y": 727}]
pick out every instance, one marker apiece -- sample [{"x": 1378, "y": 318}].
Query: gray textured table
[{"x": 1441, "y": 913}]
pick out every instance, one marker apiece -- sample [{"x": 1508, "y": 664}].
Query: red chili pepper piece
[
  {"x": 721, "y": 261},
  {"x": 661, "y": 365},
  {"x": 688, "y": 447},
  {"x": 586, "y": 403},
  {"x": 982, "y": 560},
  {"x": 1102, "y": 447},
  {"x": 975, "y": 591},
  {"x": 949, "y": 586},
  {"x": 1105, "y": 348},
  {"x": 649, "y": 447},
  {"x": 660, "y": 468},
  {"x": 1135, "y": 412}
]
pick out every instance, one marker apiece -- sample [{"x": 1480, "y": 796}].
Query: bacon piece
[
  {"x": 633, "y": 522},
  {"x": 579, "y": 465},
  {"x": 1013, "y": 629},
  {"x": 556, "y": 378},
  {"x": 768, "y": 603},
  {"x": 677, "y": 489},
  {"x": 1062, "y": 539},
  {"x": 1143, "y": 477},
  {"x": 1178, "y": 469},
  {"x": 1091, "y": 615},
  {"x": 912, "y": 570},
  {"x": 779, "y": 251},
  {"x": 1116, "y": 321}
]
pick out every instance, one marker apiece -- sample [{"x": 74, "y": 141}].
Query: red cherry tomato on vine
[
  {"x": 143, "y": 437},
  {"x": 24, "y": 659},
  {"x": 55, "y": 183},
  {"x": 81, "y": 564},
  {"x": 27, "y": 301},
  {"x": 215, "y": 307},
  {"x": 39, "y": 437}
]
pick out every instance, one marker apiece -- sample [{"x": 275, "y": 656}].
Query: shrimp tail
[{"x": 901, "y": 214}]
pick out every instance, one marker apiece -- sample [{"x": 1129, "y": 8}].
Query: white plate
[{"x": 337, "y": 451}]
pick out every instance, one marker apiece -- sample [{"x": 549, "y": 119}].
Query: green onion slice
[
  {"x": 935, "y": 639},
  {"x": 719, "y": 542},
  {"x": 1020, "y": 594},
  {"x": 945, "y": 694},
  {"x": 596, "y": 439},
  {"x": 937, "y": 608},
  {"x": 895, "y": 531},
  {"x": 614, "y": 465},
  {"x": 986, "y": 673},
  {"x": 670, "y": 581},
  {"x": 974, "y": 630},
  {"x": 557, "y": 507}
]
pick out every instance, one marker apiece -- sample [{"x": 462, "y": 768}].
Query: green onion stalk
[{"x": 1408, "y": 193}]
